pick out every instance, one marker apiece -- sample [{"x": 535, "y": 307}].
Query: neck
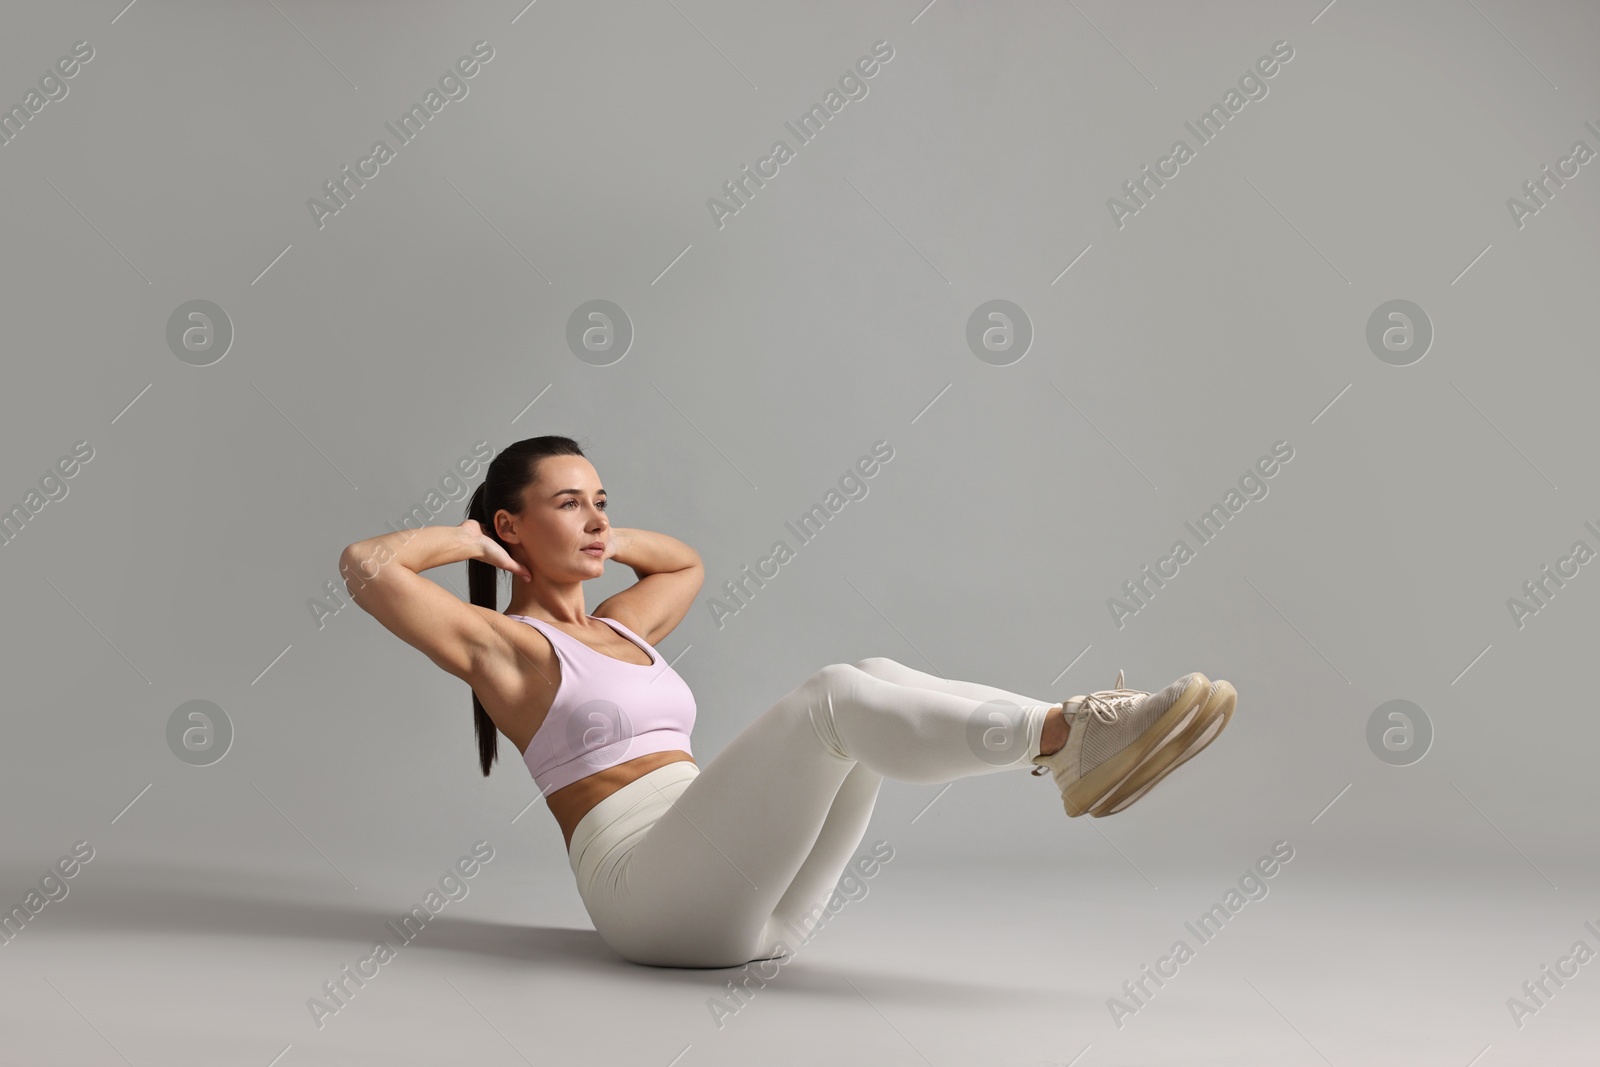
[{"x": 543, "y": 599}]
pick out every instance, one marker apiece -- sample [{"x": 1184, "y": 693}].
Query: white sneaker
[
  {"x": 1203, "y": 728},
  {"x": 1121, "y": 742}
]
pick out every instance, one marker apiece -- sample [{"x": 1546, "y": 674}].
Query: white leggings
[{"x": 716, "y": 866}]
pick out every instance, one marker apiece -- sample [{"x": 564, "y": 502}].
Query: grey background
[{"x": 769, "y": 355}]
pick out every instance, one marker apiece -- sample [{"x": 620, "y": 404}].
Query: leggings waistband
[{"x": 631, "y": 809}]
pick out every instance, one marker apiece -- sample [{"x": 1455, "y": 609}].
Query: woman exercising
[{"x": 679, "y": 866}]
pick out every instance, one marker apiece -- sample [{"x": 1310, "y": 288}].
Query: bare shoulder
[
  {"x": 520, "y": 644},
  {"x": 630, "y": 619},
  {"x": 617, "y": 610},
  {"x": 653, "y": 606},
  {"x": 518, "y": 677}
]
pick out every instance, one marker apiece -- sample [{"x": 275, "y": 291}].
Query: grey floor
[
  {"x": 1009, "y": 962},
  {"x": 348, "y": 368}
]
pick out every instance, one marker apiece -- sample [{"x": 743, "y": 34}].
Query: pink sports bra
[{"x": 606, "y": 711}]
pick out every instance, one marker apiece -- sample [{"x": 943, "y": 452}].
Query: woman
[{"x": 679, "y": 866}]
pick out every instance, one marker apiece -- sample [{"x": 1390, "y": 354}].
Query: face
[{"x": 563, "y": 513}]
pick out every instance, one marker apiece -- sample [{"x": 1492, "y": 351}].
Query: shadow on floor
[{"x": 171, "y": 900}]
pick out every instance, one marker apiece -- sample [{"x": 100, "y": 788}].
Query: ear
[{"x": 503, "y": 524}]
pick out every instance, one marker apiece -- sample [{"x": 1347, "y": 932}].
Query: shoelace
[{"x": 1106, "y": 705}]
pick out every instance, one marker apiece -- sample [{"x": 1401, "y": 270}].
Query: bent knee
[
  {"x": 832, "y": 680},
  {"x": 836, "y": 674},
  {"x": 876, "y": 665},
  {"x": 819, "y": 696}
]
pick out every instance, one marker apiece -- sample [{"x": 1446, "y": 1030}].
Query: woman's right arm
[{"x": 381, "y": 575}]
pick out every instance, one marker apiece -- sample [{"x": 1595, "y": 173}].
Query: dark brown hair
[{"x": 510, "y": 472}]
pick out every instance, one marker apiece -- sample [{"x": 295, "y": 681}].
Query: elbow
[
  {"x": 351, "y": 559},
  {"x": 359, "y": 565}
]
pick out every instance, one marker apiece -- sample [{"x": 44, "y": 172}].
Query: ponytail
[
  {"x": 510, "y": 472},
  {"x": 483, "y": 590}
]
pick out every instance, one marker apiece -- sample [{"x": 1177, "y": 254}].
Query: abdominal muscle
[{"x": 572, "y": 802}]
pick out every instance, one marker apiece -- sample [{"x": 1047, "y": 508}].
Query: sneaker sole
[
  {"x": 1090, "y": 790},
  {"x": 1203, "y": 729}
]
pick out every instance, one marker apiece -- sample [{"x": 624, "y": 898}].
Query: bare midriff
[{"x": 571, "y": 803}]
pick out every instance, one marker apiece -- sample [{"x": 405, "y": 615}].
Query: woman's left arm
[
  {"x": 670, "y": 575},
  {"x": 648, "y": 552}
]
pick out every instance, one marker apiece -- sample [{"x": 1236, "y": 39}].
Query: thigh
[
  {"x": 806, "y": 901},
  {"x": 810, "y": 894},
  {"x": 894, "y": 671},
  {"x": 700, "y": 886}
]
